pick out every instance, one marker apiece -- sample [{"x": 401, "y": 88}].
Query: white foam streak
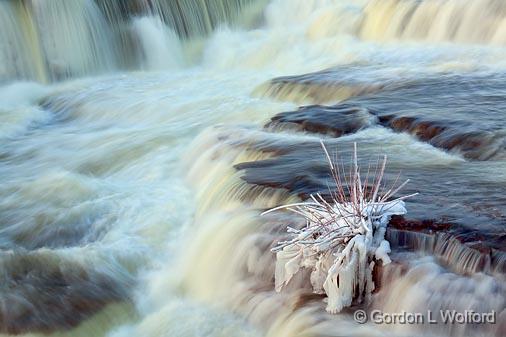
[{"x": 160, "y": 46}]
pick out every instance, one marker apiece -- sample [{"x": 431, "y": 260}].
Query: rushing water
[{"x": 141, "y": 139}]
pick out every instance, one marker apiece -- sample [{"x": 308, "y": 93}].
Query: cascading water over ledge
[
  {"x": 408, "y": 105},
  {"x": 48, "y": 40},
  {"x": 142, "y": 140},
  {"x": 252, "y": 295},
  {"x": 343, "y": 238}
]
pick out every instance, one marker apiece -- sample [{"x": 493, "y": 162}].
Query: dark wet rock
[
  {"x": 44, "y": 292},
  {"x": 448, "y": 135},
  {"x": 346, "y": 118},
  {"x": 456, "y": 217},
  {"x": 454, "y": 113},
  {"x": 451, "y": 194},
  {"x": 336, "y": 121},
  {"x": 425, "y": 225}
]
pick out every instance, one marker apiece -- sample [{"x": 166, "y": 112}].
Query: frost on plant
[{"x": 344, "y": 235}]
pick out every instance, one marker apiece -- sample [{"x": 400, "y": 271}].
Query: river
[{"x": 140, "y": 140}]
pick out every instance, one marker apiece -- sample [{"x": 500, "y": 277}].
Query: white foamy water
[
  {"x": 121, "y": 186},
  {"x": 161, "y": 49}
]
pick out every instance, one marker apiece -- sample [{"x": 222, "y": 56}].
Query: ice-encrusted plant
[{"x": 344, "y": 235}]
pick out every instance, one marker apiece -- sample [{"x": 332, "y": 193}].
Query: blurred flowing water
[{"x": 140, "y": 140}]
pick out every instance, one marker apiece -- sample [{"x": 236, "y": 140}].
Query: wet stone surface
[
  {"x": 455, "y": 113},
  {"x": 460, "y": 213},
  {"x": 41, "y": 291},
  {"x": 332, "y": 120},
  {"x": 455, "y": 199}
]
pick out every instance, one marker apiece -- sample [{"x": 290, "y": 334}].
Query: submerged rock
[
  {"x": 333, "y": 120},
  {"x": 449, "y": 112},
  {"x": 452, "y": 202},
  {"x": 267, "y": 161},
  {"x": 41, "y": 291}
]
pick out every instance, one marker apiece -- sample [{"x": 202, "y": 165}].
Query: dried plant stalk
[{"x": 344, "y": 237}]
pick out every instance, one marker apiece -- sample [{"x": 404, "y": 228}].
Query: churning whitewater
[{"x": 142, "y": 140}]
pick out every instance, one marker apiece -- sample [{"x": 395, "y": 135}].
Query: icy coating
[
  {"x": 140, "y": 140},
  {"x": 343, "y": 238}
]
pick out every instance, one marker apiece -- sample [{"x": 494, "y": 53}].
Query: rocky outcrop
[
  {"x": 447, "y": 112},
  {"x": 41, "y": 291}
]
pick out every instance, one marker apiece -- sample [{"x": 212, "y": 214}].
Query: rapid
[{"x": 140, "y": 141}]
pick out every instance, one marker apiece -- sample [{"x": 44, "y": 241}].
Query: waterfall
[
  {"x": 19, "y": 45},
  {"x": 137, "y": 160},
  {"x": 435, "y": 20},
  {"x": 74, "y": 37},
  {"x": 197, "y": 17},
  {"x": 160, "y": 46},
  {"x": 51, "y": 40}
]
